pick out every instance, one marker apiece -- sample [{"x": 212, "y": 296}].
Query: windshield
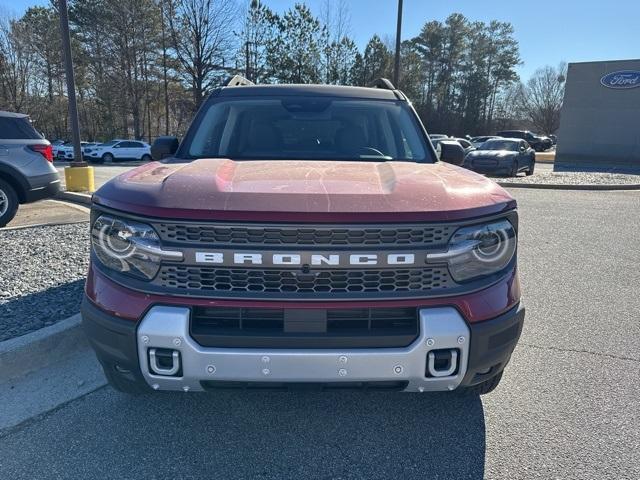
[
  {"x": 306, "y": 128},
  {"x": 500, "y": 145}
]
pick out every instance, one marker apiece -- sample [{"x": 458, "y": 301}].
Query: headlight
[
  {"x": 129, "y": 247},
  {"x": 479, "y": 250}
]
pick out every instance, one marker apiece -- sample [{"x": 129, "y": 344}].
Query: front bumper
[{"x": 482, "y": 351}]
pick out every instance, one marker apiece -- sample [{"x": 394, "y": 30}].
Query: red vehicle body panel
[
  {"x": 304, "y": 191},
  {"x": 131, "y": 305}
]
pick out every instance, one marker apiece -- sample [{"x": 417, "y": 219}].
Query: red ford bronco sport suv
[{"x": 303, "y": 236}]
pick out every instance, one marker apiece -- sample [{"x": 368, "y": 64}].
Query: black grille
[
  {"x": 304, "y": 328},
  {"x": 484, "y": 162},
  {"x": 287, "y": 281},
  {"x": 225, "y": 234}
]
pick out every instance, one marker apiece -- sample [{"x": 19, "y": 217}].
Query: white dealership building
[{"x": 600, "y": 121}]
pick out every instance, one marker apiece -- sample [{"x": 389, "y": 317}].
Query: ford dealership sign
[{"x": 622, "y": 79}]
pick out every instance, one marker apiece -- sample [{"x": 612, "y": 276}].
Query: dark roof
[
  {"x": 13, "y": 114},
  {"x": 316, "y": 90}
]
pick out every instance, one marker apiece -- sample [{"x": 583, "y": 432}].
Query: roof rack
[
  {"x": 237, "y": 81},
  {"x": 383, "y": 83}
]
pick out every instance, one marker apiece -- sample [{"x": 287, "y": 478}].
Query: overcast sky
[{"x": 549, "y": 31}]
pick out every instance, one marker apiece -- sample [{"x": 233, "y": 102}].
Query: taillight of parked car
[{"x": 45, "y": 150}]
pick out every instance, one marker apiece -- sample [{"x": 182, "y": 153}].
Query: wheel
[
  {"x": 8, "y": 203},
  {"x": 122, "y": 384},
  {"x": 514, "y": 169},
  {"x": 146, "y": 157},
  {"x": 485, "y": 387},
  {"x": 531, "y": 168},
  {"x": 107, "y": 157}
]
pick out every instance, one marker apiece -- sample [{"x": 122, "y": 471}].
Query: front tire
[
  {"x": 485, "y": 387},
  {"x": 121, "y": 384},
  {"x": 531, "y": 168},
  {"x": 9, "y": 202},
  {"x": 107, "y": 158},
  {"x": 514, "y": 169}
]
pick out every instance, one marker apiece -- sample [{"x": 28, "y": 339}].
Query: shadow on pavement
[
  {"x": 21, "y": 315},
  {"x": 292, "y": 435}
]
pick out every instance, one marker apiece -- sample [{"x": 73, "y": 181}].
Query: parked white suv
[{"x": 118, "y": 150}]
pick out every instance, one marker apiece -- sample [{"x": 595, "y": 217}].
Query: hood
[{"x": 303, "y": 191}]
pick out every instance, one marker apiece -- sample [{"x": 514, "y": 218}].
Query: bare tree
[
  {"x": 16, "y": 63},
  {"x": 258, "y": 30},
  {"x": 202, "y": 36},
  {"x": 339, "y": 50},
  {"x": 541, "y": 98}
]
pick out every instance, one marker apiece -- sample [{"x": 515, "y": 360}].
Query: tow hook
[
  {"x": 164, "y": 361},
  {"x": 442, "y": 363}
]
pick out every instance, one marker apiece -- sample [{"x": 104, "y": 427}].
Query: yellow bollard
[{"x": 79, "y": 179}]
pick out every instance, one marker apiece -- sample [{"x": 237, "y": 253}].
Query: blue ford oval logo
[{"x": 622, "y": 79}]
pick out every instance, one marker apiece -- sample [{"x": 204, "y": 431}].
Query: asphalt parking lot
[{"x": 567, "y": 407}]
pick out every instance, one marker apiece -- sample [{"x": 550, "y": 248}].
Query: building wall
[{"x": 599, "y": 126}]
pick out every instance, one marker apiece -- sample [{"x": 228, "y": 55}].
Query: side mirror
[
  {"x": 164, "y": 147},
  {"x": 451, "y": 152}
]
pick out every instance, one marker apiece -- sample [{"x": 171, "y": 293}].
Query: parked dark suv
[
  {"x": 27, "y": 173},
  {"x": 537, "y": 142}
]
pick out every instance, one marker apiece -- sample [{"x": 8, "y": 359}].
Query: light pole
[
  {"x": 71, "y": 84},
  {"x": 78, "y": 176},
  {"x": 396, "y": 68}
]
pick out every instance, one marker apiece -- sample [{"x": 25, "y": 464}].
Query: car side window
[
  {"x": 135, "y": 145},
  {"x": 17, "y": 129}
]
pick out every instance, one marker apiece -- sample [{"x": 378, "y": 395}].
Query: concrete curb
[
  {"x": 82, "y": 198},
  {"x": 33, "y": 351},
  {"x": 551, "y": 186},
  {"x": 37, "y": 225}
]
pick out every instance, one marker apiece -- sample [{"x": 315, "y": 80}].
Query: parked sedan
[{"x": 506, "y": 156}]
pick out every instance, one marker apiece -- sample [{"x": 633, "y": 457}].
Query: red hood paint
[{"x": 304, "y": 191}]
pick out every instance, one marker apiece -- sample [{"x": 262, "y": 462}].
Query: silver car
[{"x": 27, "y": 173}]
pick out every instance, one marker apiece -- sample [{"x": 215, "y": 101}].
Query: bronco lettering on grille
[{"x": 305, "y": 258}]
